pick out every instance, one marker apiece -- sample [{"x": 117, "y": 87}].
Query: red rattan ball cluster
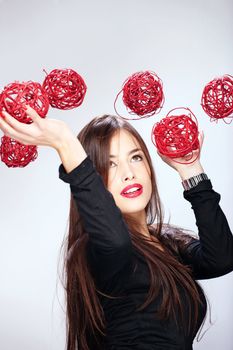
[
  {"x": 217, "y": 97},
  {"x": 62, "y": 88},
  {"x": 142, "y": 94},
  {"x": 15, "y": 154},
  {"x": 16, "y": 95},
  {"x": 176, "y": 135},
  {"x": 65, "y": 88}
]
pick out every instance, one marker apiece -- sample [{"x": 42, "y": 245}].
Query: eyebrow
[{"x": 130, "y": 152}]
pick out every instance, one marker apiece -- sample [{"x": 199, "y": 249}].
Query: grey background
[{"x": 187, "y": 43}]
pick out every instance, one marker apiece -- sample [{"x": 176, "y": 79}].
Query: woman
[{"x": 130, "y": 279}]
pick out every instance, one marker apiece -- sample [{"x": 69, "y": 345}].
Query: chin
[{"x": 134, "y": 210}]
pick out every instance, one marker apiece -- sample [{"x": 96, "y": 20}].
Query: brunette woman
[{"x": 131, "y": 280}]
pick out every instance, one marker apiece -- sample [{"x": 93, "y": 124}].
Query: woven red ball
[
  {"x": 217, "y": 97},
  {"x": 15, "y": 154},
  {"x": 16, "y": 95},
  {"x": 65, "y": 88},
  {"x": 176, "y": 135},
  {"x": 142, "y": 94}
]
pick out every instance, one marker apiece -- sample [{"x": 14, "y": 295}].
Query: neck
[
  {"x": 145, "y": 232},
  {"x": 138, "y": 220},
  {"x": 142, "y": 227}
]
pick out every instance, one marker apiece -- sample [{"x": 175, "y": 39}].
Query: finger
[
  {"x": 161, "y": 155},
  {"x": 10, "y": 132},
  {"x": 15, "y": 124},
  {"x": 33, "y": 114},
  {"x": 201, "y": 138}
]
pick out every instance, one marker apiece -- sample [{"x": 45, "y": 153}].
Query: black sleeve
[
  {"x": 109, "y": 237},
  {"x": 212, "y": 254}
]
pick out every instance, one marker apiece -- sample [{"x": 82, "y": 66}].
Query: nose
[{"x": 127, "y": 174}]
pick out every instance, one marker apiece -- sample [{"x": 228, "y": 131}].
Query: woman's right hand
[{"x": 42, "y": 132}]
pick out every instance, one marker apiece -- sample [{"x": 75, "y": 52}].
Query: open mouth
[{"x": 137, "y": 192}]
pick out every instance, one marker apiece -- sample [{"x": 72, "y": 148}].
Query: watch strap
[{"x": 194, "y": 181}]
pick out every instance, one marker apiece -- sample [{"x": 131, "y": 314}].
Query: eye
[
  {"x": 110, "y": 164},
  {"x": 137, "y": 156}
]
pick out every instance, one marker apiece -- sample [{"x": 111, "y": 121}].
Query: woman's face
[{"x": 128, "y": 166}]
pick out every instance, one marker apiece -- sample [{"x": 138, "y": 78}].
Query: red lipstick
[{"x": 138, "y": 191}]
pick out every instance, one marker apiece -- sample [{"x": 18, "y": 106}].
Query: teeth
[{"x": 132, "y": 190}]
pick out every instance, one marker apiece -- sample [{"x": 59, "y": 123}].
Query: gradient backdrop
[{"x": 187, "y": 43}]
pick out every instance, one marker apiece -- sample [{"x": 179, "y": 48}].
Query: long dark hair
[{"x": 85, "y": 316}]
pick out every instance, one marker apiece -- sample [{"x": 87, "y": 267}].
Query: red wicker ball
[
  {"x": 142, "y": 94},
  {"x": 176, "y": 135},
  {"x": 217, "y": 97},
  {"x": 15, "y": 154},
  {"x": 16, "y": 95},
  {"x": 65, "y": 88}
]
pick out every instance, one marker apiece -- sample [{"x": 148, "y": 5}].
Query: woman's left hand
[{"x": 190, "y": 166}]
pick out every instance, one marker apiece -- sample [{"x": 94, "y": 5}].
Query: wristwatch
[{"x": 193, "y": 181}]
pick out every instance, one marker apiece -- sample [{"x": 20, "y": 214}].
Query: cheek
[
  {"x": 149, "y": 188},
  {"x": 111, "y": 178},
  {"x": 146, "y": 174},
  {"x": 112, "y": 188},
  {"x": 144, "y": 167},
  {"x": 148, "y": 185},
  {"x": 109, "y": 183}
]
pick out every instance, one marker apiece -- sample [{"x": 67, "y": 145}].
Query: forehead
[{"x": 123, "y": 141}]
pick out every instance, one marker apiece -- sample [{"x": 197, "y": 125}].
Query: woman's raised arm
[
  {"x": 102, "y": 219},
  {"x": 45, "y": 132},
  {"x": 212, "y": 254}
]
